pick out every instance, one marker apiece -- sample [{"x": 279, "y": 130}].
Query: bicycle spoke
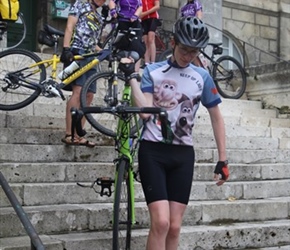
[
  {"x": 103, "y": 122},
  {"x": 229, "y": 77},
  {"x": 12, "y": 34},
  {"x": 16, "y": 90}
]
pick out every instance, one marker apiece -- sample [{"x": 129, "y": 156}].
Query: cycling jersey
[
  {"x": 147, "y": 5},
  {"x": 179, "y": 91},
  {"x": 88, "y": 26},
  {"x": 127, "y": 8},
  {"x": 190, "y": 9}
]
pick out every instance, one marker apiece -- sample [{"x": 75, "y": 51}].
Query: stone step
[
  {"x": 30, "y": 194},
  {"x": 63, "y": 153},
  {"x": 266, "y": 235},
  {"x": 61, "y": 172},
  {"x": 13, "y": 119},
  {"x": 228, "y": 108},
  {"x": 238, "y": 138},
  {"x": 97, "y": 216}
]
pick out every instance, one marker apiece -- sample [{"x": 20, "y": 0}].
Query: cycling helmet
[{"x": 191, "y": 32}]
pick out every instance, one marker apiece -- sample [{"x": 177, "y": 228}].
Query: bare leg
[
  {"x": 176, "y": 215},
  {"x": 147, "y": 53},
  {"x": 151, "y": 46},
  {"x": 74, "y": 101},
  {"x": 159, "y": 215}
]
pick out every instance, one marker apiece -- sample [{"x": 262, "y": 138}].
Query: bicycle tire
[
  {"x": 11, "y": 41},
  {"x": 16, "y": 76},
  {"x": 105, "y": 123},
  {"x": 230, "y": 77},
  {"x": 122, "y": 210},
  {"x": 164, "y": 55}
]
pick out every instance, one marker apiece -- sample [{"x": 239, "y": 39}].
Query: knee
[
  {"x": 161, "y": 226},
  {"x": 174, "y": 230}
]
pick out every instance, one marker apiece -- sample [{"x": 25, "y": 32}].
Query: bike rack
[{"x": 36, "y": 243}]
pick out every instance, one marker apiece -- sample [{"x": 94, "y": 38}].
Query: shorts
[
  {"x": 166, "y": 171},
  {"x": 149, "y": 24},
  {"x": 80, "y": 81}
]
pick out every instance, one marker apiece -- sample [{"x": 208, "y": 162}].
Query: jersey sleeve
[{"x": 210, "y": 96}]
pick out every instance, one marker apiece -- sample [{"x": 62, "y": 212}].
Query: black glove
[
  {"x": 105, "y": 11},
  {"x": 222, "y": 169},
  {"x": 66, "y": 56},
  {"x": 129, "y": 71}
]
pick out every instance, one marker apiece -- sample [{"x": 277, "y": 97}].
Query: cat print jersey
[{"x": 180, "y": 91}]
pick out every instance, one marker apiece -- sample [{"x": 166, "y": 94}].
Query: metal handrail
[{"x": 36, "y": 242}]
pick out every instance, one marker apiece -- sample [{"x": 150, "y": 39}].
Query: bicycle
[
  {"x": 126, "y": 144},
  {"x": 23, "y": 75},
  {"x": 228, "y": 74},
  {"x": 8, "y": 40},
  {"x": 162, "y": 39}
]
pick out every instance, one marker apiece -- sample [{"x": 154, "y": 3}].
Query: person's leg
[
  {"x": 159, "y": 219},
  {"x": 146, "y": 56},
  {"x": 151, "y": 47},
  {"x": 176, "y": 215},
  {"x": 74, "y": 101}
]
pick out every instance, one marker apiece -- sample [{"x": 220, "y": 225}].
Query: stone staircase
[{"x": 250, "y": 211}]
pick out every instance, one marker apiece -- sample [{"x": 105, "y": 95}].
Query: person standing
[
  {"x": 192, "y": 8},
  {"x": 166, "y": 164},
  {"x": 81, "y": 36},
  {"x": 150, "y": 21},
  {"x": 128, "y": 14}
]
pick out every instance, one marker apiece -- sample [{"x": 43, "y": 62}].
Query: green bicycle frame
[{"x": 124, "y": 129}]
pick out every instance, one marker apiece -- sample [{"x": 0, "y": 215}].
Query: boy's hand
[{"x": 221, "y": 172}]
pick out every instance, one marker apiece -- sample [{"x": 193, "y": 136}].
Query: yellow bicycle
[{"x": 23, "y": 74}]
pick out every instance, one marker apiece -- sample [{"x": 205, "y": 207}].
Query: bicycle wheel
[
  {"x": 164, "y": 55},
  {"x": 12, "y": 34},
  {"x": 230, "y": 77},
  {"x": 106, "y": 123},
  {"x": 19, "y": 81},
  {"x": 122, "y": 217}
]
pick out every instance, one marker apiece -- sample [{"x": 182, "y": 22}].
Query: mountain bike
[
  {"x": 23, "y": 75},
  {"x": 9, "y": 38},
  {"x": 126, "y": 144},
  {"x": 227, "y": 72}
]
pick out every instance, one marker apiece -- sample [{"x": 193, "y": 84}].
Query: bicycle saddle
[{"x": 52, "y": 31}]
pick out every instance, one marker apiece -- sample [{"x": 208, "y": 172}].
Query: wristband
[{"x": 132, "y": 76}]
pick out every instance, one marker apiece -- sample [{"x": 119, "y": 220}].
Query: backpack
[{"x": 9, "y": 9}]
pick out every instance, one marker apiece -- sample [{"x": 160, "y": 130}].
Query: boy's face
[{"x": 184, "y": 54}]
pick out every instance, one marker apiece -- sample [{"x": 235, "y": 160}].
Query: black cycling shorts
[
  {"x": 149, "y": 24},
  {"x": 166, "y": 171}
]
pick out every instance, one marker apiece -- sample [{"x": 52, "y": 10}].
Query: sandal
[
  {"x": 84, "y": 142},
  {"x": 77, "y": 141}
]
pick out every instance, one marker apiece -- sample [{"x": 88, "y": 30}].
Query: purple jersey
[
  {"x": 127, "y": 8},
  {"x": 190, "y": 9}
]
